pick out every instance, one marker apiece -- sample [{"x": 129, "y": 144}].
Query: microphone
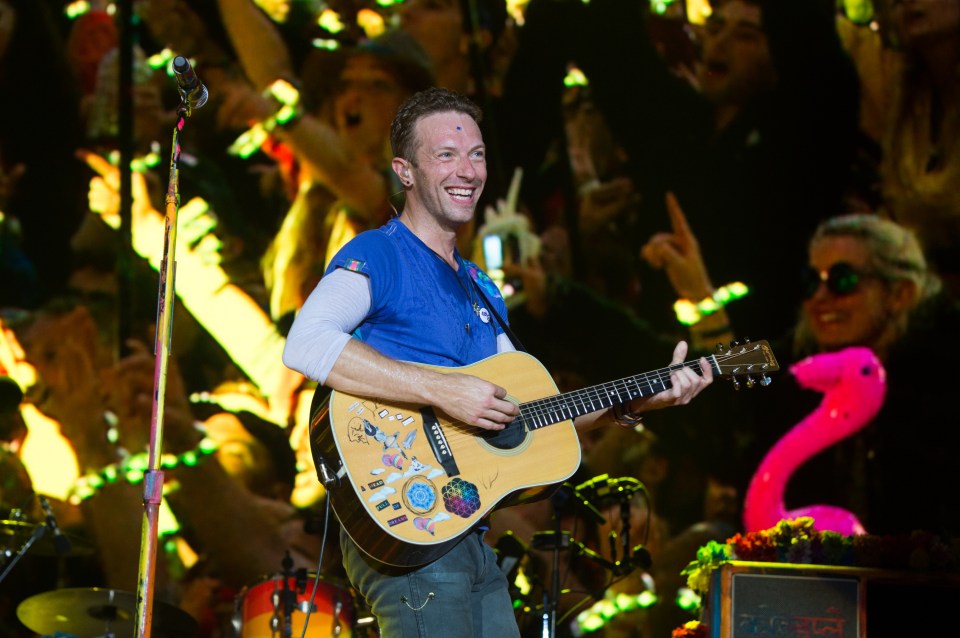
[
  {"x": 603, "y": 489},
  {"x": 192, "y": 91},
  {"x": 567, "y": 495},
  {"x": 60, "y": 542}
]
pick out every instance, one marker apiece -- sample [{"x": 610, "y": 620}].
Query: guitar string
[
  {"x": 551, "y": 406},
  {"x": 560, "y": 404}
]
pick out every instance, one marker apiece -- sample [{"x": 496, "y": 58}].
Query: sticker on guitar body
[
  {"x": 429, "y": 525},
  {"x": 420, "y": 495}
]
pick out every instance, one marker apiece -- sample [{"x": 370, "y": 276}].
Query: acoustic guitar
[{"x": 407, "y": 482}]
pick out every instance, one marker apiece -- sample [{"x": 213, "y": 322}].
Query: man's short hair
[{"x": 419, "y": 106}]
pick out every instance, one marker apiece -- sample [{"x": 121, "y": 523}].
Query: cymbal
[
  {"x": 93, "y": 612},
  {"x": 13, "y": 534}
]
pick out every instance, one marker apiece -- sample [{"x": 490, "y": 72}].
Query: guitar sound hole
[{"x": 507, "y": 438}]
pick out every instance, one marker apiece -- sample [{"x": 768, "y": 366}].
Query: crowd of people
[{"x": 788, "y": 171}]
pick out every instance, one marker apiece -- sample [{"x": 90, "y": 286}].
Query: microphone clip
[{"x": 193, "y": 93}]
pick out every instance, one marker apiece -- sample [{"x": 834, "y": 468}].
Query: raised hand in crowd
[
  {"x": 677, "y": 254},
  {"x": 241, "y": 105},
  {"x": 207, "y": 292},
  {"x": 196, "y": 222}
]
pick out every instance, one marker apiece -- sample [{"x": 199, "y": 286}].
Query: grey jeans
[{"x": 463, "y": 594}]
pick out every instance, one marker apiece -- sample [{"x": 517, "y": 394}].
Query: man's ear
[{"x": 402, "y": 168}]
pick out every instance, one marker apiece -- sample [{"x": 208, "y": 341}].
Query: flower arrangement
[{"x": 797, "y": 541}]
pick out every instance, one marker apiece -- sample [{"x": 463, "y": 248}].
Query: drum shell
[{"x": 333, "y": 613}]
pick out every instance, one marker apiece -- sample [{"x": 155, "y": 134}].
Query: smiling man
[{"x": 401, "y": 294}]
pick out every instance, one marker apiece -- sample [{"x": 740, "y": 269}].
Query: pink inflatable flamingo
[{"x": 853, "y": 383}]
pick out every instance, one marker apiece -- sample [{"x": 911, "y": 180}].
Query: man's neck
[{"x": 440, "y": 240}]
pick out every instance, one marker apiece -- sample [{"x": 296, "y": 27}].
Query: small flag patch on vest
[{"x": 354, "y": 264}]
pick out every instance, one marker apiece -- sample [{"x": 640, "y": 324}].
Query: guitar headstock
[{"x": 749, "y": 360}]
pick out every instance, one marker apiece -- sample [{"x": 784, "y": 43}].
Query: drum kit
[
  {"x": 280, "y": 605},
  {"x": 276, "y": 606},
  {"x": 80, "y": 612},
  {"x": 99, "y": 613},
  {"x": 77, "y": 612}
]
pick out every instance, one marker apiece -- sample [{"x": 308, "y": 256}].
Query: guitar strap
[{"x": 503, "y": 324}]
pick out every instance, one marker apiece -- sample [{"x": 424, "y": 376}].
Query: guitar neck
[{"x": 567, "y": 406}]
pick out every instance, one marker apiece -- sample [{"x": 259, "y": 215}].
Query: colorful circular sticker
[
  {"x": 419, "y": 495},
  {"x": 461, "y": 497}
]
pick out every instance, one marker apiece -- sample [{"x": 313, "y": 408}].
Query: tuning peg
[
  {"x": 750, "y": 382},
  {"x": 734, "y": 343},
  {"x": 720, "y": 348},
  {"x": 736, "y": 383},
  {"x": 746, "y": 339},
  {"x": 765, "y": 380}
]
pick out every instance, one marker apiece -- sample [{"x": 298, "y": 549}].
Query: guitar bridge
[{"x": 438, "y": 442}]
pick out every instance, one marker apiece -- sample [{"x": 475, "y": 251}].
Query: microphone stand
[
  {"x": 625, "y": 532},
  {"x": 153, "y": 478},
  {"x": 555, "y": 540},
  {"x": 634, "y": 556},
  {"x": 630, "y": 557}
]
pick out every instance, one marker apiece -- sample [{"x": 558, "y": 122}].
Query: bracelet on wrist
[
  {"x": 132, "y": 468},
  {"x": 626, "y": 419},
  {"x": 288, "y": 113},
  {"x": 689, "y": 313}
]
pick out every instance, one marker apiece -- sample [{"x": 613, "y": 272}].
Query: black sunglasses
[{"x": 841, "y": 279}]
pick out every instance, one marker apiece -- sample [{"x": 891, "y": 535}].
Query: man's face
[
  {"x": 437, "y": 26},
  {"x": 860, "y": 317},
  {"x": 364, "y": 106},
  {"x": 736, "y": 64},
  {"x": 450, "y": 170},
  {"x": 920, "y": 20}
]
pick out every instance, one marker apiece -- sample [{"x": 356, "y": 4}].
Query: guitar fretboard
[{"x": 567, "y": 406}]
